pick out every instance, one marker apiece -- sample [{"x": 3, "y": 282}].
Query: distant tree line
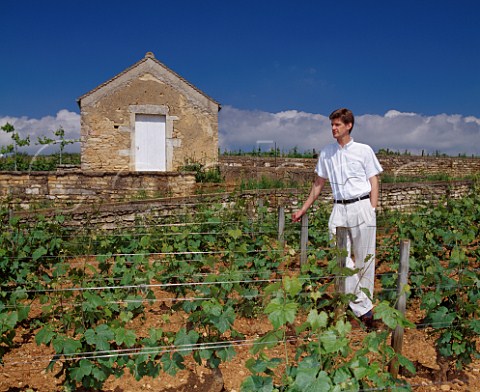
[
  {"x": 436, "y": 153},
  {"x": 12, "y": 158},
  {"x": 296, "y": 153},
  {"x": 272, "y": 152}
]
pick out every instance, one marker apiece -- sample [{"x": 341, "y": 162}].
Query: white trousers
[{"x": 360, "y": 220}]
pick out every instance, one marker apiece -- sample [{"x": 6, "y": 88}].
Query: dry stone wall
[
  {"x": 74, "y": 188},
  {"x": 414, "y": 165},
  {"x": 234, "y": 169},
  {"x": 408, "y": 196},
  {"x": 108, "y": 215}
]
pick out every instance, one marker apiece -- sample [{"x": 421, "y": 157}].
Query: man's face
[{"x": 340, "y": 129}]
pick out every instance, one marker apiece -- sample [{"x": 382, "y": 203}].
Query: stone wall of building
[{"x": 148, "y": 88}]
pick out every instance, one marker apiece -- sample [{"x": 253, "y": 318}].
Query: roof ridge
[{"x": 148, "y": 56}]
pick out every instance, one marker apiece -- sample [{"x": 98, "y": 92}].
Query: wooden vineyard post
[
  {"x": 281, "y": 227},
  {"x": 342, "y": 236},
  {"x": 397, "y": 335},
  {"x": 260, "y": 204},
  {"x": 341, "y": 241},
  {"x": 304, "y": 240}
]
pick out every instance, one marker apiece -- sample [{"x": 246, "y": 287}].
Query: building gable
[{"x": 149, "y": 68}]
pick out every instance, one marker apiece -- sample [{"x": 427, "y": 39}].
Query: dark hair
[{"x": 345, "y": 115}]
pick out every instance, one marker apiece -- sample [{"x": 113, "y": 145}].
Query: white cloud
[
  {"x": 45, "y": 126},
  {"x": 398, "y": 131},
  {"x": 241, "y": 129},
  {"x": 395, "y": 113},
  {"x": 472, "y": 119}
]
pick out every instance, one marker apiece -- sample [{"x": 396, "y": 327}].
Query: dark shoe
[
  {"x": 361, "y": 322},
  {"x": 369, "y": 322},
  {"x": 355, "y": 323}
]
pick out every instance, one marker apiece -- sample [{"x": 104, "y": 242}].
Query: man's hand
[
  {"x": 314, "y": 193},
  {"x": 296, "y": 216}
]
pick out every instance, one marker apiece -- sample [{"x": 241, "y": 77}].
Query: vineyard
[{"x": 210, "y": 299}]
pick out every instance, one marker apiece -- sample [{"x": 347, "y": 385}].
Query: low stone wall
[
  {"x": 408, "y": 196},
  {"x": 417, "y": 166},
  {"x": 392, "y": 196},
  {"x": 289, "y": 176},
  {"x": 234, "y": 169},
  {"x": 107, "y": 216},
  {"x": 73, "y": 187}
]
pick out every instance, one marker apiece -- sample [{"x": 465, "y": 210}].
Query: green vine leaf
[
  {"x": 125, "y": 336},
  {"x": 442, "y": 317},
  {"x": 172, "y": 363},
  {"x": 269, "y": 340},
  {"x": 39, "y": 252},
  {"x": 45, "y": 335},
  {"x": 235, "y": 233},
  {"x": 226, "y": 353},
  {"x": 100, "y": 337},
  {"x": 280, "y": 312},
  {"x": 317, "y": 320},
  {"x": 184, "y": 341},
  {"x": 84, "y": 369},
  {"x": 71, "y": 346},
  {"x": 257, "y": 383},
  {"x": 292, "y": 285}
]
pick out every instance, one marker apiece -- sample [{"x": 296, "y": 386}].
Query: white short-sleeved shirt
[{"x": 348, "y": 169}]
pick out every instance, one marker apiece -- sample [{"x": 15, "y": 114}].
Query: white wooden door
[{"x": 150, "y": 141}]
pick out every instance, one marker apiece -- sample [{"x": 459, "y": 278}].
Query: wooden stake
[
  {"x": 281, "y": 227},
  {"x": 304, "y": 240},
  {"x": 342, "y": 237},
  {"x": 397, "y": 336}
]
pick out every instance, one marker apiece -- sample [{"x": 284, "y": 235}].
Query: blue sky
[{"x": 408, "y": 69}]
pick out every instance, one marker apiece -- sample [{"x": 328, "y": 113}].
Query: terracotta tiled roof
[{"x": 148, "y": 56}]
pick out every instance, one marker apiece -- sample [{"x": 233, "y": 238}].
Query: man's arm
[
  {"x": 374, "y": 192},
  {"x": 314, "y": 193}
]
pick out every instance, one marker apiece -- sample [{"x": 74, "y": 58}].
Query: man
[{"x": 352, "y": 169}]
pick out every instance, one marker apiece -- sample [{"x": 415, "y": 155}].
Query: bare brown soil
[{"x": 24, "y": 366}]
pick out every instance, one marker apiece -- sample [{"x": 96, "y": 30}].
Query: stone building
[{"x": 147, "y": 118}]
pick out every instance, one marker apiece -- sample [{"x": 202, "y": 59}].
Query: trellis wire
[
  {"x": 189, "y": 283},
  {"x": 160, "y": 350}
]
